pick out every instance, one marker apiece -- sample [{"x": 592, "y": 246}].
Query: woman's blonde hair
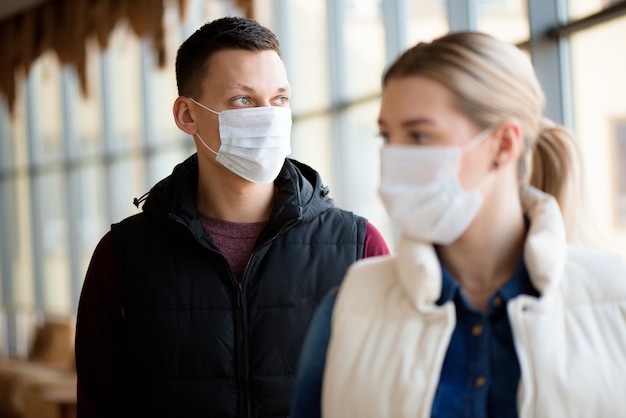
[{"x": 494, "y": 81}]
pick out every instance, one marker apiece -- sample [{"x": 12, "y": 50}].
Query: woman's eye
[
  {"x": 282, "y": 100},
  {"x": 384, "y": 136},
  {"x": 419, "y": 137}
]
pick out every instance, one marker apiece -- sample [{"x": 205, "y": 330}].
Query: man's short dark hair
[{"x": 193, "y": 57}]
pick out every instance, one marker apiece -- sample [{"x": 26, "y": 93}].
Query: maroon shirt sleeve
[
  {"x": 101, "y": 339},
  {"x": 375, "y": 244}
]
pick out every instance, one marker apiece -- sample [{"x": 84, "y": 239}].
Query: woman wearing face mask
[{"x": 485, "y": 310}]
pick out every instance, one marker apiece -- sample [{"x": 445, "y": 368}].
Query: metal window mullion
[
  {"x": 106, "y": 149},
  {"x": 551, "y": 57},
  {"x": 194, "y": 15},
  {"x": 34, "y": 182},
  {"x": 188, "y": 27},
  {"x": 336, "y": 16},
  {"x": 462, "y": 15},
  {"x": 7, "y": 257},
  {"x": 71, "y": 180},
  {"x": 280, "y": 14},
  {"x": 147, "y": 106},
  {"x": 5, "y": 145},
  {"x": 7, "y": 185},
  {"x": 395, "y": 14},
  {"x": 609, "y": 13}
]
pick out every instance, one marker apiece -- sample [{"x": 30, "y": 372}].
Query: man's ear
[
  {"x": 510, "y": 142},
  {"x": 184, "y": 116}
]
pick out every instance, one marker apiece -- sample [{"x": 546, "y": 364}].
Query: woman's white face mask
[
  {"x": 254, "y": 141},
  {"x": 421, "y": 193}
]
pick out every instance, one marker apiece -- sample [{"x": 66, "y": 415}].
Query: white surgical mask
[
  {"x": 255, "y": 141},
  {"x": 421, "y": 193}
]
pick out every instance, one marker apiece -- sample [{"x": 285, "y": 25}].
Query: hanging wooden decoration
[{"x": 65, "y": 25}]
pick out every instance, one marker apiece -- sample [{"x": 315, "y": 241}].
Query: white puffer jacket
[{"x": 389, "y": 338}]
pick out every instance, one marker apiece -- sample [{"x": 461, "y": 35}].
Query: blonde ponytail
[{"x": 555, "y": 168}]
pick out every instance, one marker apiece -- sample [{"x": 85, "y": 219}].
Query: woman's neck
[{"x": 486, "y": 255}]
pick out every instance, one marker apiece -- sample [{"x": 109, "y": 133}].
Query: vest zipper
[
  {"x": 242, "y": 358},
  {"x": 239, "y": 312}
]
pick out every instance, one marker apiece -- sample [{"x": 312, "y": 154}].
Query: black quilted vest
[{"x": 199, "y": 343}]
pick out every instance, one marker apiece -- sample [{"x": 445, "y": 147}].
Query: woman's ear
[
  {"x": 184, "y": 116},
  {"x": 510, "y": 141}
]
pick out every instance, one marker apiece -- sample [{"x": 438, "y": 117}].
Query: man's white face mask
[{"x": 254, "y": 141}]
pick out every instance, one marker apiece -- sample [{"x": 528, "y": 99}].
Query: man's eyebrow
[
  {"x": 239, "y": 86},
  {"x": 249, "y": 89}
]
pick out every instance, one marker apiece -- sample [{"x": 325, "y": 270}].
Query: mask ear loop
[
  {"x": 197, "y": 134},
  {"x": 204, "y": 143},
  {"x": 477, "y": 139},
  {"x": 203, "y": 106}
]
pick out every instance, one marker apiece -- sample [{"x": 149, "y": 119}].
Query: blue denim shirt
[{"x": 480, "y": 373}]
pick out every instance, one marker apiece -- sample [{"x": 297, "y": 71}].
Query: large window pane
[
  {"x": 305, "y": 48},
  {"x": 427, "y": 20},
  {"x": 600, "y": 112},
  {"x": 123, "y": 83},
  {"x": 359, "y": 170},
  {"x": 162, "y": 164},
  {"x": 54, "y": 239},
  {"x": 580, "y": 8},
  {"x": 351, "y": 176},
  {"x": 161, "y": 83},
  {"x": 126, "y": 180},
  {"x": 311, "y": 143},
  {"x": 90, "y": 212},
  {"x": 23, "y": 264},
  {"x": 43, "y": 115},
  {"x": 86, "y": 108},
  {"x": 506, "y": 19},
  {"x": 364, "y": 47}
]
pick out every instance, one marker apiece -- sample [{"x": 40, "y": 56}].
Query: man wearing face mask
[{"x": 198, "y": 305}]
